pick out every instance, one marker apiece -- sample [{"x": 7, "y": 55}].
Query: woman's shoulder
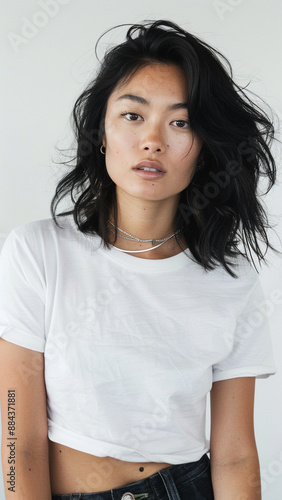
[
  {"x": 46, "y": 235},
  {"x": 41, "y": 226},
  {"x": 30, "y": 233},
  {"x": 43, "y": 229},
  {"x": 31, "y": 229}
]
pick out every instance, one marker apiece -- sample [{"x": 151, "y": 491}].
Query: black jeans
[{"x": 191, "y": 481}]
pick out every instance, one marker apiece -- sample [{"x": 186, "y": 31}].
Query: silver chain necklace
[{"x": 130, "y": 237}]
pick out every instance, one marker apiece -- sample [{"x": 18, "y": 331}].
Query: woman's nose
[{"x": 154, "y": 140}]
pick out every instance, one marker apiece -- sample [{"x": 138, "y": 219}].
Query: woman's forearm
[
  {"x": 27, "y": 477},
  {"x": 239, "y": 480}
]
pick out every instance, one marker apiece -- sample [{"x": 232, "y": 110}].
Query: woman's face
[{"x": 151, "y": 153}]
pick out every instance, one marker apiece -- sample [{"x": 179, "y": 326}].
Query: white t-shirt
[{"x": 132, "y": 346}]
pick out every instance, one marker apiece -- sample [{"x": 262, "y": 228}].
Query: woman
[{"x": 136, "y": 303}]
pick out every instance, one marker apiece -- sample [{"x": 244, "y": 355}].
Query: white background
[{"x": 45, "y": 68}]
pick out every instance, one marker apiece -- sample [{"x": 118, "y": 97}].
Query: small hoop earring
[{"x": 103, "y": 149}]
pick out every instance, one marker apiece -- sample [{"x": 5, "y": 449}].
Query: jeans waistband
[{"x": 189, "y": 481}]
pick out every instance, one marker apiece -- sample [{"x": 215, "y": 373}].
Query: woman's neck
[{"x": 146, "y": 220}]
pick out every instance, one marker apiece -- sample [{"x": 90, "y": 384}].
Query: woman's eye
[
  {"x": 181, "y": 123},
  {"x": 132, "y": 117}
]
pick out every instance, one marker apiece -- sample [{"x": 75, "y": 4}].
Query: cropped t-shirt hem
[
  {"x": 99, "y": 448},
  {"x": 249, "y": 371},
  {"x": 22, "y": 338}
]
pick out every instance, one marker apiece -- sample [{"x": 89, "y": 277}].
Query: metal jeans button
[{"x": 127, "y": 496}]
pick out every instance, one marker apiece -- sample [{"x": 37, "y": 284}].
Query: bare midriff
[{"x": 73, "y": 471}]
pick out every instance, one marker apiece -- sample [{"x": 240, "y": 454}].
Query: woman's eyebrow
[
  {"x": 135, "y": 98},
  {"x": 142, "y": 100}
]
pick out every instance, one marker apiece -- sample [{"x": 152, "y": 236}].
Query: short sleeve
[
  {"x": 22, "y": 294},
  {"x": 251, "y": 354}
]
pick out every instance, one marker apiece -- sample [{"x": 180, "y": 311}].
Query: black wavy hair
[{"x": 220, "y": 209}]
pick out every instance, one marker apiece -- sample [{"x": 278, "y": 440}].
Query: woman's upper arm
[
  {"x": 232, "y": 425},
  {"x": 22, "y": 371}
]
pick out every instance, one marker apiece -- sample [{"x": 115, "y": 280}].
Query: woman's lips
[
  {"x": 151, "y": 164},
  {"x": 149, "y": 169}
]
